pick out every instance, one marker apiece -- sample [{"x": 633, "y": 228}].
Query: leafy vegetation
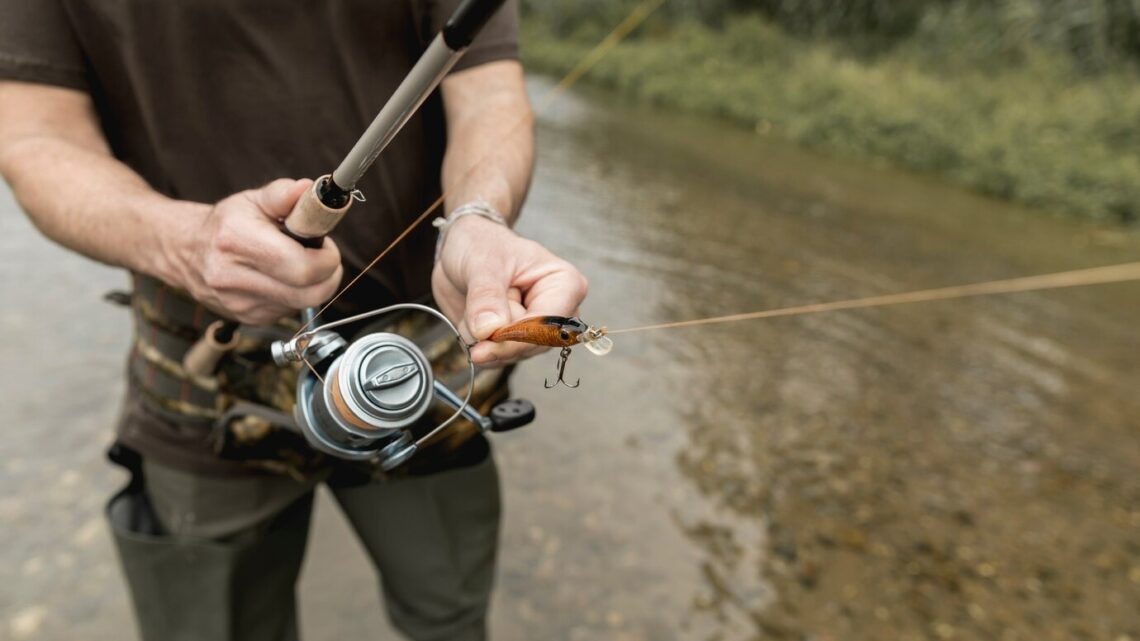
[{"x": 1035, "y": 101}]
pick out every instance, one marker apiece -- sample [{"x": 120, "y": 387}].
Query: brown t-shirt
[{"x": 204, "y": 98}]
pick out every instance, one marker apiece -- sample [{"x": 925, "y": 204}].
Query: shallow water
[
  {"x": 952, "y": 469},
  {"x": 960, "y": 469}
]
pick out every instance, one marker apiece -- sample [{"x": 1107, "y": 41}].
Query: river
[{"x": 952, "y": 470}]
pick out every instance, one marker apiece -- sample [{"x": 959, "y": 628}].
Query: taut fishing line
[
  {"x": 623, "y": 29},
  {"x": 1124, "y": 272}
]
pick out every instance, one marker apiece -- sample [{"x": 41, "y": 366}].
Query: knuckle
[
  {"x": 308, "y": 273},
  {"x": 316, "y": 273},
  {"x": 333, "y": 252},
  {"x": 245, "y": 314},
  {"x": 214, "y": 273},
  {"x": 247, "y": 308},
  {"x": 279, "y": 184},
  {"x": 482, "y": 290},
  {"x": 228, "y": 235},
  {"x": 308, "y": 297},
  {"x": 333, "y": 282}
]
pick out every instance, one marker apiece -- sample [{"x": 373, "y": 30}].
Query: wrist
[
  {"x": 476, "y": 213},
  {"x": 175, "y": 226}
]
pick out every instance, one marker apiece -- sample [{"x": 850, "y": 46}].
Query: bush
[
  {"x": 1095, "y": 33},
  {"x": 974, "y": 96}
]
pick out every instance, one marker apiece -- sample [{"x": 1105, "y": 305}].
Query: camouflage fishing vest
[{"x": 246, "y": 406}]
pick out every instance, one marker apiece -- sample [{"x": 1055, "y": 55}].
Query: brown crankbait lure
[{"x": 556, "y": 331}]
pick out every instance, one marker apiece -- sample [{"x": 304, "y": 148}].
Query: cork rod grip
[{"x": 312, "y": 220}]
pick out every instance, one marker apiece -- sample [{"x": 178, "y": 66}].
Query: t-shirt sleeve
[
  {"x": 38, "y": 44},
  {"x": 497, "y": 41}
]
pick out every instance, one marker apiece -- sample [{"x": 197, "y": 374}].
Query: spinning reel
[{"x": 358, "y": 401}]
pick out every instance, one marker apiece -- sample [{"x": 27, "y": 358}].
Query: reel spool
[{"x": 373, "y": 390}]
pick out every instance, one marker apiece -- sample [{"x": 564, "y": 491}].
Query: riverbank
[{"x": 1027, "y": 128}]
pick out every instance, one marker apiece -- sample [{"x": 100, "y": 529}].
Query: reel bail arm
[{"x": 358, "y": 400}]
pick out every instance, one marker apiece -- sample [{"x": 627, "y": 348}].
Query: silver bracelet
[{"x": 474, "y": 208}]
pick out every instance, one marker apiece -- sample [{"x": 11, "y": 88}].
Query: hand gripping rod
[{"x": 319, "y": 209}]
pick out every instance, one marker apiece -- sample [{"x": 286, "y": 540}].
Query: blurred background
[
  {"x": 952, "y": 470},
  {"x": 1033, "y": 101}
]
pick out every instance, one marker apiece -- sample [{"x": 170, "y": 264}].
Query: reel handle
[
  {"x": 511, "y": 415},
  {"x": 508, "y": 415}
]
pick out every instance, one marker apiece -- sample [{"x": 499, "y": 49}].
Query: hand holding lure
[{"x": 556, "y": 331}]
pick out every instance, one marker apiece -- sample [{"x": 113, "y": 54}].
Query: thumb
[
  {"x": 487, "y": 307},
  {"x": 278, "y": 197}
]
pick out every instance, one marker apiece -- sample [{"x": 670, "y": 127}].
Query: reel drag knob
[
  {"x": 370, "y": 395},
  {"x": 382, "y": 383}
]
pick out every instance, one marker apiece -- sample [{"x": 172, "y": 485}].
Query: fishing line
[
  {"x": 623, "y": 29},
  {"x": 1076, "y": 278},
  {"x": 312, "y": 369}
]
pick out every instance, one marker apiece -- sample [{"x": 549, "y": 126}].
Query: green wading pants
[{"x": 214, "y": 559}]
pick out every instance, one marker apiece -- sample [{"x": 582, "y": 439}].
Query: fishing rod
[
  {"x": 359, "y": 400},
  {"x": 320, "y": 208},
  {"x": 633, "y": 19}
]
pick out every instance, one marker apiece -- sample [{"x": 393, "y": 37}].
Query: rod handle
[
  {"x": 311, "y": 219},
  {"x": 463, "y": 25}
]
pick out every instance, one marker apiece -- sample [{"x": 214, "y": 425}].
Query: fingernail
[{"x": 486, "y": 322}]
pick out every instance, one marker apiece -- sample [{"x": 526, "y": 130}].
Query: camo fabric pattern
[{"x": 168, "y": 322}]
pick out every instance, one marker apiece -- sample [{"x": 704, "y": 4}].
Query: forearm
[
  {"x": 87, "y": 201},
  {"x": 60, "y": 168},
  {"x": 230, "y": 256},
  {"x": 490, "y": 150}
]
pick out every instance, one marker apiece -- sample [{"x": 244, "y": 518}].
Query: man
[{"x": 164, "y": 137}]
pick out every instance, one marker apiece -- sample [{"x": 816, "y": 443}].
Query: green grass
[{"x": 1027, "y": 128}]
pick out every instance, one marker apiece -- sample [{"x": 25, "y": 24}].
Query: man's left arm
[
  {"x": 487, "y": 276},
  {"x": 490, "y": 133}
]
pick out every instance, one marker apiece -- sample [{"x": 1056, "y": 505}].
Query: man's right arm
[{"x": 230, "y": 256}]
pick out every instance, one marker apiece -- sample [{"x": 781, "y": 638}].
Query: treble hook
[{"x": 561, "y": 367}]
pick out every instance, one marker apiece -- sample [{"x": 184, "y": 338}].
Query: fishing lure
[{"x": 556, "y": 331}]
